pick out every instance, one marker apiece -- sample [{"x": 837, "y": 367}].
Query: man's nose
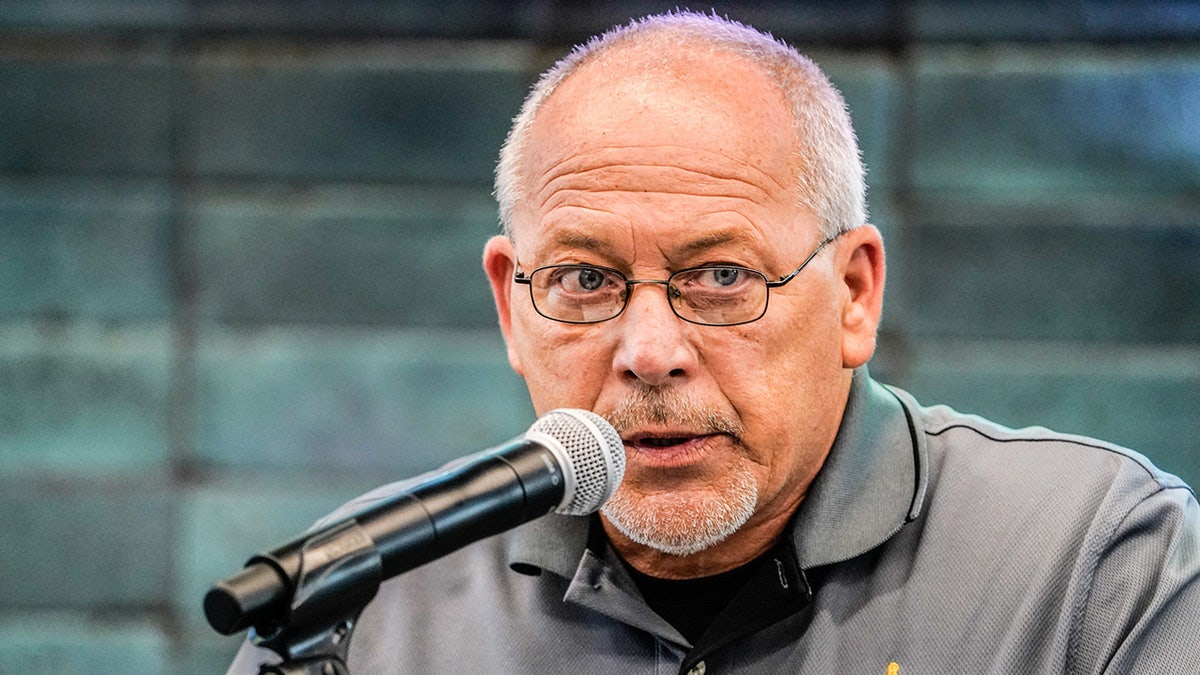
[{"x": 654, "y": 346}]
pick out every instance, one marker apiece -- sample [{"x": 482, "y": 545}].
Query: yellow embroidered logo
[{"x": 893, "y": 668}]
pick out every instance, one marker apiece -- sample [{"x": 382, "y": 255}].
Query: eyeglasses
[{"x": 712, "y": 295}]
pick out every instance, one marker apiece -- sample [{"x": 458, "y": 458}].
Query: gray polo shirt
[{"x": 930, "y": 542}]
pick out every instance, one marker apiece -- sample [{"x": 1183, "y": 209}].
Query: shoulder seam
[
  {"x": 1024, "y": 439},
  {"x": 1057, "y": 438}
]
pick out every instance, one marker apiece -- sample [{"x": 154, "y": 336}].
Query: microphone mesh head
[{"x": 594, "y": 451}]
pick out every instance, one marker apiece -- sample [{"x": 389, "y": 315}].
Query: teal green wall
[{"x": 240, "y": 244}]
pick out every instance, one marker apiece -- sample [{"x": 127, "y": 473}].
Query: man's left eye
[{"x": 725, "y": 276}]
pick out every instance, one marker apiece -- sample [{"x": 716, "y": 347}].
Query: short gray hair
[{"x": 832, "y": 183}]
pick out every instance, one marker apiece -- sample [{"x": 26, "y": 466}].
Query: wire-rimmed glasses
[{"x": 710, "y": 295}]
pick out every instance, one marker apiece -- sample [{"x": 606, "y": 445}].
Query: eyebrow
[
  {"x": 713, "y": 240},
  {"x": 576, "y": 239}
]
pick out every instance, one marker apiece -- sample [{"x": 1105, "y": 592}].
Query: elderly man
[{"x": 685, "y": 253}]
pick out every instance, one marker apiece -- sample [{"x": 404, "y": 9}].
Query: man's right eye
[{"x": 581, "y": 279}]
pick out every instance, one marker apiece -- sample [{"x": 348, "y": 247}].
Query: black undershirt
[{"x": 691, "y": 605}]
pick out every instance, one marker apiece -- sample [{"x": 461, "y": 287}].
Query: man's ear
[
  {"x": 862, "y": 269},
  {"x": 499, "y": 262}
]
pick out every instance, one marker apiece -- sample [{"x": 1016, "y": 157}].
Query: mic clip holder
[{"x": 339, "y": 573}]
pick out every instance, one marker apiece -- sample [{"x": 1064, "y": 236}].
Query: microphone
[{"x": 570, "y": 461}]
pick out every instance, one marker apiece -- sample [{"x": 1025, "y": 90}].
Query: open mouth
[{"x": 669, "y": 451}]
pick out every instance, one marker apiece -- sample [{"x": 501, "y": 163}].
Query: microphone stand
[{"x": 340, "y": 572}]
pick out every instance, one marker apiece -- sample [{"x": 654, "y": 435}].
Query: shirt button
[{"x": 698, "y": 669}]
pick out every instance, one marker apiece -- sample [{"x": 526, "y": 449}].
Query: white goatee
[{"x": 684, "y": 522}]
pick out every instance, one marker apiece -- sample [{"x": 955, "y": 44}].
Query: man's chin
[{"x": 682, "y": 523}]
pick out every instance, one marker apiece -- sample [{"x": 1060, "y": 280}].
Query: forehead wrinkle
[
  {"x": 552, "y": 201},
  {"x": 607, "y": 149},
  {"x": 549, "y": 191},
  {"x": 567, "y": 167}
]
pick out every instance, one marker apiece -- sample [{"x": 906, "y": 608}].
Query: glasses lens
[
  {"x": 577, "y": 293},
  {"x": 719, "y": 295}
]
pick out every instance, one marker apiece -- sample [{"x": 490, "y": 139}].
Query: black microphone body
[{"x": 481, "y": 496}]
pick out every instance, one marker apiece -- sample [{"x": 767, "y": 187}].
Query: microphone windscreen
[{"x": 595, "y": 457}]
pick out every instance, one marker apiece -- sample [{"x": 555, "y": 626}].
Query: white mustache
[{"x": 672, "y": 408}]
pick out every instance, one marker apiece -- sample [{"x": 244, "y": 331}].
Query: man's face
[{"x": 650, "y": 176}]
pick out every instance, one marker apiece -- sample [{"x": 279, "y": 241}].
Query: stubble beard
[{"x": 681, "y": 523}]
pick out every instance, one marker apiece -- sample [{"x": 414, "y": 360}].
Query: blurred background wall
[{"x": 240, "y": 243}]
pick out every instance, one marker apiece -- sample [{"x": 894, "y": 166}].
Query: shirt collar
[
  {"x": 873, "y": 481},
  {"x": 553, "y": 543}
]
